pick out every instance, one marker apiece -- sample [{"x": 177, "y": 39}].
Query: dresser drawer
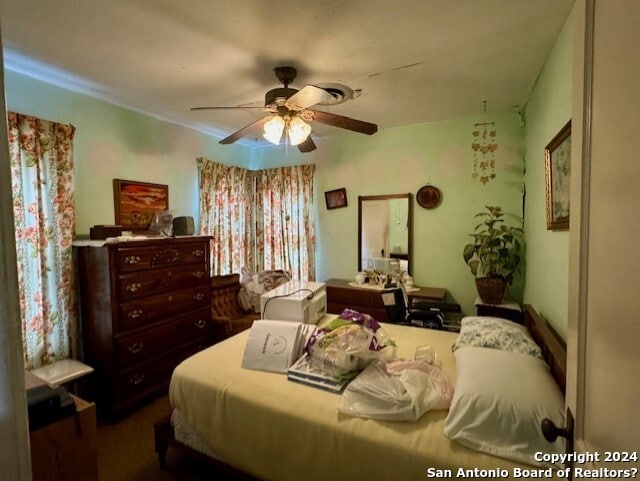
[
  {"x": 151, "y": 377},
  {"x": 140, "y": 312},
  {"x": 352, "y": 296},
  {"x": 129, "y": 259},
  {"x": 145, "y": 283},
  {"x": 142, "y": 346}
]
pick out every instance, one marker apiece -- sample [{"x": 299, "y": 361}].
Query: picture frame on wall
[
  {"x": 558, "y": 175},
  {"x": 336, "y": 198},
  {"x": 136, "y": 203}
]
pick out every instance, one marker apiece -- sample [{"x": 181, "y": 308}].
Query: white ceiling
[{"x": 414, "y": 60}]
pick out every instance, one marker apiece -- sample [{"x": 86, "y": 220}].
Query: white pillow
[{"x": 499, "y": 400}]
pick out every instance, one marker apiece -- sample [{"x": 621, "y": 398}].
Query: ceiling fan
[{"x": 290, "y": 111}]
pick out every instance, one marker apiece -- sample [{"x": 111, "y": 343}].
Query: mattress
[{"x": 275, "y": 429}]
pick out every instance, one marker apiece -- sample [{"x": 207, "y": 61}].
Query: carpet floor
[{"x": 126, "y": 450}]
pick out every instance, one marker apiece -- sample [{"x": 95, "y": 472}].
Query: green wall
[
  {"x": 402, "y": 160},
  {"x": 547, "y": 111},
  {"x": 114, "y": 142}
]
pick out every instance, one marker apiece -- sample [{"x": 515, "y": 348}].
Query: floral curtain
[
  {"x": 226, "y": 213},
  {"x": 262, "y": 219},
  {"x": 285, "y": 235},
  {"x": 43, "y": 195}
]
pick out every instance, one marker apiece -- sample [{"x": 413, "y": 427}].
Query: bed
[{"x": 269, "y": 428}]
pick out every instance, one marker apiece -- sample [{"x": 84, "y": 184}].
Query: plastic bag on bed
[
  {"x": 400, "y": 391},
  {"x": 349, "y": 344}
]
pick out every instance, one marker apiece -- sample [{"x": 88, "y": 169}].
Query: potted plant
[{"x": 494, "y": 254}]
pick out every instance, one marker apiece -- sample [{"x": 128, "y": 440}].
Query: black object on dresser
[{"x": 145, "y": 306}]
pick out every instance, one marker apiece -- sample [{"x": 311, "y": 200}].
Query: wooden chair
[{"x": 225, "y": 308}]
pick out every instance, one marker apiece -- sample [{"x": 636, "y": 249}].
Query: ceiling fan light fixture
[
  {"x": 298, "y": 131},
  {"x": 273, "y": 129}
]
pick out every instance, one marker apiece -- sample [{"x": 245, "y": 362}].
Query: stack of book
[{"x": 301, "y": 371}]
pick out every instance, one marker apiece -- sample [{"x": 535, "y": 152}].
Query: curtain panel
[
  {"x": 226, "y": 214},
  {"x": 285, "y": 234},
  {"x": 42, "y": 178},
  {"x": 262, "y": 220}
]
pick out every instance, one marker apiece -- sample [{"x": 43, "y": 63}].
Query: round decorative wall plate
[{"x": 428, "y": 196}]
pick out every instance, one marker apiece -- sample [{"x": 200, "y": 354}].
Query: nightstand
[
  {"x": 506, "y": 310},
  {"x": 64, "y": 449}
]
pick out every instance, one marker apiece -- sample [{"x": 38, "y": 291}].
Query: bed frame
[
  {"x": 553, "y": 349},
  {"x": 164, "y": 437}
]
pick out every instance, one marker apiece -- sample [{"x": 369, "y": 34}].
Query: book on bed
[
  {"x": 301, "y": 371},
  {"x": 275, "y": 345}
]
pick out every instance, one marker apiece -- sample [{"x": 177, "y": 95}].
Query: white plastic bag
[
  {"x": 404, "y": 396},
  {"x": 349, "y": 344}
]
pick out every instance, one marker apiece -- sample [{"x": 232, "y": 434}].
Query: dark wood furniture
[
  {"x": 507, "y": 310},
  {"x": 145, "y": 307},
  {"x": 554, "y": 349},
  {"x": 65, "y": 450},
  {"x": 341, "y": 295},
  {"x": 225, "y": 308}
]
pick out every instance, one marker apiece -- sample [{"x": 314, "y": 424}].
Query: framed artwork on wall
[
  {"x": 336, "y": 198},
  {"x": 558, "y": 174},
  {"x": 136, "y": 203}
]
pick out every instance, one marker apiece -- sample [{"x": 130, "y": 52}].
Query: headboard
[{"x": 554, "y": 349}]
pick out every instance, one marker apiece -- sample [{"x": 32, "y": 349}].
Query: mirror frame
[{"x": 408, "y": 196}]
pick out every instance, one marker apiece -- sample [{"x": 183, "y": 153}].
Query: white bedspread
[{"x": 278, "y": 430}]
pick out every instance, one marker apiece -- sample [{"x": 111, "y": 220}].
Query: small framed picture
[
  {"x": 558, "y": 176},
  {"x": 336, "y": 198}
]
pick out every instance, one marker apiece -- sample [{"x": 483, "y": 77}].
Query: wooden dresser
[
  {"x": 341, "y": 295},
  {"x": 145, "y": 306}
]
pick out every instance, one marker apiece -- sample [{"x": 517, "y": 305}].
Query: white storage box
[{"x": 300, "y": 301}]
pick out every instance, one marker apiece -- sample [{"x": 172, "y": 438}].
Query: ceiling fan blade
[
  {"x": 307, "y": 146},
  {"x": 344, "y": 122},
  {"x": 307, "y": 96},
  {"x": 228, "y": 108},
  {"x": 245, "y": 130}
]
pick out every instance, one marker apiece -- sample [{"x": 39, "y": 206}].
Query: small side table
[
  {"x": 506, "y": 310},
  {"x": 66, "y": 372},
  {"x": 65, "y": 449}
]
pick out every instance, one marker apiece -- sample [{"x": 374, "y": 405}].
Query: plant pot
[{"x": 491, "y": 290}]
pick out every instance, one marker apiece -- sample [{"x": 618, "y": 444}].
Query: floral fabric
[
  {"x": 496, "y": 333},
  {"x": 285, "y": 234},
  {"x": 262, "y": 220},
  {"x": 42, "y": 179},
  {"x": 226, "y": 214}
]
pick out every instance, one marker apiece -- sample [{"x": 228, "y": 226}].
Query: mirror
[{"x": 384, "y": 231}]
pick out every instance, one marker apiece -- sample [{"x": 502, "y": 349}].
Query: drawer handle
[
  {"x": 199, "y": 296},
  {"x": 132, "y": 259},
  {"x": 134, "y": 287},
  {"x": 136, "y": 379},
  {"x": 201, "y": 323},
  {"x": 136, "y": 347},
  {"x": 198, "y": 252},
  {"x": 198, "y": 274},
  {"x": 135, "y": 313}
]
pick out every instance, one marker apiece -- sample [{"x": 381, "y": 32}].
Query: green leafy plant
[{"x": 496, "y": 247}]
